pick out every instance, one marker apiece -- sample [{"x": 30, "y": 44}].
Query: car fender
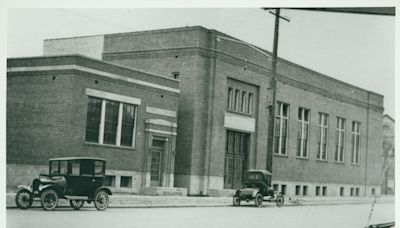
[
  {"x": 107, "y": 190},
  {"x": 27, "y": 187},
  {"x": 44, "y": 187}
]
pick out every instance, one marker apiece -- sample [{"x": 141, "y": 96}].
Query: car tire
[
  {"x": 49, "y": 199},
  {"x": 280, "y": 200},
  {"x": 258, "y": 200},
  {"x": 236, "y": 201},
  {"x": 24, "y": 199},
  {"x": 76, "y": 204},
  {"x": 101, "y": 200}
]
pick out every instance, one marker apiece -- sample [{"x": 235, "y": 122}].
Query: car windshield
[{"x": 255, "y": 177}]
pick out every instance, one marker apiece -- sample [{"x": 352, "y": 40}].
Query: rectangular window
[
  {"x": 175, "y": 75},
  {"x": 373, "y": 191},
  {"x": 93, "y": 119},
  {"x": 283, "y": 189},
  {"x": 237, "y": 100},
  {"x": 244, "y": 101},
  {"x": 305, "y": 190},
  {"x": 229, "y": 103},
  {"x": 351, "y": 191},
  {"x": 324, "y": 190},
  {"x": 355, "y": 142},
  {"x": 317, "y": 191},
  {"x": 298, "y": 189},
  {"x": 341, "y": 191},
  {"x": 340, "y": 139},
  {"x": 126, "y": 182},
  {"x": 250, "y": 103},
  {"x": 281, "y": 128},
  {"x": 110, "y": 122},
  {"x": 357, "y": 191},
  {"x": 322, "y": 136},
  {"x": 303, "y": 132},
  {"x": 276, "y": 187}
]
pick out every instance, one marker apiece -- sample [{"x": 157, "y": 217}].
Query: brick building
[
  {"x": 388, "y": 155},
  {"x": 63, "y": 106},
  {"x": 327, "y": 132}
]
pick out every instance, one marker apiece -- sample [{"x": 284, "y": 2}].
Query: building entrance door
[
  {"x": 156, "y": 167},
  {"x": 236, "y": 153}
]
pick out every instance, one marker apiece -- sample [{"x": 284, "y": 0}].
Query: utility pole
[{"x": 271, "y": 132}]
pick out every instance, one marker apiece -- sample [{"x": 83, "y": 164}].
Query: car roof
[
  {"x": 76, "y": 158},
  {"x": 265, "y": 172}
]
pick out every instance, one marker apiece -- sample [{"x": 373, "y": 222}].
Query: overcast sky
[{"x": 354, "y": 48}]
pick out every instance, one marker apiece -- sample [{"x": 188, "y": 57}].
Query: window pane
[
  {"x": 111, "y": 122},
  {"x": 93, "y": 119},
  {"x": 243, "y": 103},
  {"x": 250, "y": 103},
  {"x": 87, "y": 167},
  {"x": 98, "y": 168},
  {"x": 54, "y": 167},
  {"x": 285, "y": 110},
  {"x": 63, "y": 167},
  {"x": 128, "y": 123}
]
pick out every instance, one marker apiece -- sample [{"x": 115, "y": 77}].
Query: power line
[{"x": 96, "y": 19}]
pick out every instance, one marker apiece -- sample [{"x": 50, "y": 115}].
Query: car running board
[{"x": 77, "y": 197}]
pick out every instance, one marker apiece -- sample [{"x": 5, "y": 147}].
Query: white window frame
[
  {"x": 322, "y": 118},
  {"x": 303, "y": 123},
  {"x": 356, "y": 132},
  {"x": 340, "y": 131},
  {"x": 282, "y": 117}
]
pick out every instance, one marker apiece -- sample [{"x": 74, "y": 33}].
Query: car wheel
[
  {"x": 279, "y": 200},
  {"x": 258, "y": 200},
  {"x": 24, "y": 199},
  {"x": 49, "y": 199},
  {"x": 101, "y": 200},
  {"x": 236, "y": 201},
  {"x": 76, "y": 204}
]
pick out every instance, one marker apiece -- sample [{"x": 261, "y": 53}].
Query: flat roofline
[
  {"x": 72, "y": 37},
  {"x": 95, "y": 60}
]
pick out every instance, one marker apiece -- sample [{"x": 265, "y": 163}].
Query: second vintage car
[
  {"x": 257, "y": 187},
  {"x": 77, "y": 179}
]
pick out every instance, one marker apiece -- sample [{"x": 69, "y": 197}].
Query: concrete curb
[{"x": 142, "y": 201}]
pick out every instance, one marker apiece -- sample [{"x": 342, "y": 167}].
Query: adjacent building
[
  {"x": 327, "y": 133},
  {"x": 71, "y": 105},
  {"x": 388, "y": 150}
]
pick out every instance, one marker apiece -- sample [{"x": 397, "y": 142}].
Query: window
[
  {"x": 281, "y": 128},
  {"x": 298, "y": 189},
  {"x": 110, "y": 122},
  {"x": 324, "y": 190},
  {"x": 98, "y": 168},
  {"x": 54, "y": 167},
  {"x": 283, "y": 189},
  {"x": 109, "y": 181},
  {"x": 322, "y": 136},
  {"x": 355, "y": 142},
  {"x": 126, "y": 182},
  {"x": 244, "y": 101},
  {"x": 317, "y": 190},
  {"x": 250, "y": 103},
  {"x": 341, "y": 191},
  {"x": 305, "y": 190},
  {"x": 357, "y": 191},
  {"x": 175, "y": 75},
  {"x": 340, "y": 139},
  {"x": 276, "y": 187},
  {"x": 63, "y": 167},
  {"x": 229, "y": 104},
  {"x": 86, "y": 168},
  {"x": 237, "y": 100},
  {"x": 302, "y": 132},
  {"x": 75, "y": 167},
  {"x": 373, "y": 191},
  {"x": 351, "y": 191}
]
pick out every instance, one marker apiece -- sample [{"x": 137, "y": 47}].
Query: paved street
[{"x": 354, "y": 215}]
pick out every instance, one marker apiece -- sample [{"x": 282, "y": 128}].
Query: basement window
[
  {"x": 298, "y": 190},
  {"x": 175, "y": 75},
  {"x": 109, "y": 181},
  {"x": 126, "y": 182}
]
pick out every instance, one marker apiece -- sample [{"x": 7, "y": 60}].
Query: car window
[
  {"x": 98, "y": 168},
  {"x": 63, "y": 167},
  {"x": 54, "y": 167},
  {"x": 75, "y": 167},
  {"x": 86, "y": 167}
]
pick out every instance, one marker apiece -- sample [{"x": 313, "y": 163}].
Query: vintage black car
[
  {"x": 77, "y": 179},
  {"x": 258, "y": 188}
]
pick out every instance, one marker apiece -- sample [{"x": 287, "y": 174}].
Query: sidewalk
[{"x": 140, "y": 201}]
